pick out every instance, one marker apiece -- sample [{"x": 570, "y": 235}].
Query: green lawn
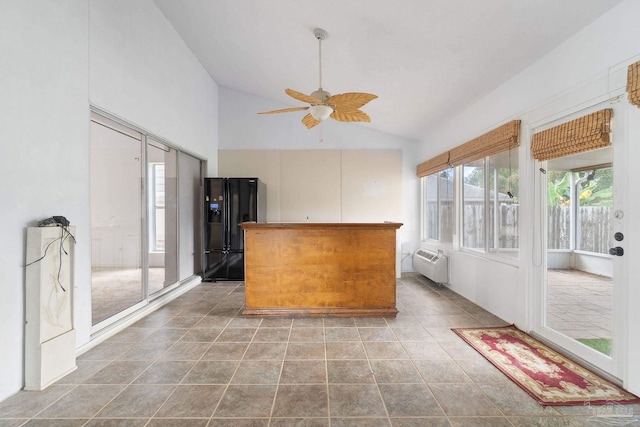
[{"x": 603, "y": 345}]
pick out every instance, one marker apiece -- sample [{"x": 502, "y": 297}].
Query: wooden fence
[{"x": 593, "y": 230}]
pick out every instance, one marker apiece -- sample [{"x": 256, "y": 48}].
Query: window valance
[
  {"x": 496, "y": 141},
  {"x": 582, "y": 134},
  {"x": 633, "y": 83},
  {"x": 500, "y": 139},
  {"x": 435, "y": 165}
]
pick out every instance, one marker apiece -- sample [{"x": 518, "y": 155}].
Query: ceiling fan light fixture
[
  {"x": 343, "y": 107},
  {"x": 320, "y": 111}
]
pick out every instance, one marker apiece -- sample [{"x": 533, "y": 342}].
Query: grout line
[
  {"x": 375, "y": 380},
  {"x": 284, "y": 357},
  {"x": 326, "y": 368}
]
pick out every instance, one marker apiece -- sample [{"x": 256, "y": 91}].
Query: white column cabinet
[{"x": 50, "y": 338}]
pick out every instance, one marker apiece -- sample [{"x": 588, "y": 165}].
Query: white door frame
[{"x": 615, "y": 365}]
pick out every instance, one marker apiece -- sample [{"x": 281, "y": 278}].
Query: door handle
[{"x": 617, "y": 251}]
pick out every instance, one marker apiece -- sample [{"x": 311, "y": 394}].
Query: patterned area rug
[{"x": 549, "y": 377}]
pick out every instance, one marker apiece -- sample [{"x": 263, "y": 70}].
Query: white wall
[
  {"x": 612, "y": 38},
  {"x": 44, "y": 147},
  {"x": 310, "y": 186},
  {"x": 139, "y": 70},
  {"x": 241, "y": 128},
  {"x": 544, "y": 89}
]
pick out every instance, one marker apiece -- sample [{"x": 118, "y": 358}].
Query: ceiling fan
[{"x": 343, "y": 107}]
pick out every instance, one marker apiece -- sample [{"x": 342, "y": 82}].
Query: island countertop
[
  {"x": 307, "y": 225},
  {"x": 320, "y": 269}
]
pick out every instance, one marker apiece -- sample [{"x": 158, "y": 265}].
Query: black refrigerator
[{"x": 228, "y": 202}]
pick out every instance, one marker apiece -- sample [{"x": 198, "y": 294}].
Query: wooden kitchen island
[{"x": 320, "y": 269}]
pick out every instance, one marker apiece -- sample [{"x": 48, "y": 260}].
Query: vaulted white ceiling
[{"x": 423, "y": 58}]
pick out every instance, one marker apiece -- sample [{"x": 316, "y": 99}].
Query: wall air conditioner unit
[{"x": 434, "y": 266}]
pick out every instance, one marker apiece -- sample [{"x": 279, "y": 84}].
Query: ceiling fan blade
[
  {"x": 350, "y": 116},
  {"x": 309, "y": 121},
  {"x": 350, "y": 101},
  {"x": 285, "y": 110},
  {"x": 302, "y": 97}
]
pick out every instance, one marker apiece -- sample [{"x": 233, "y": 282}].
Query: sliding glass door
[
  {"x": 117, "y": 172},
  {"x": 145, "y": 219}
]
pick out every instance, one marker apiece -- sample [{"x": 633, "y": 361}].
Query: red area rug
[{"x": 546, "y": 375}]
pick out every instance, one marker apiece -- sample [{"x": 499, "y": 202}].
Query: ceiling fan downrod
[{"x": 320, "y": 35}]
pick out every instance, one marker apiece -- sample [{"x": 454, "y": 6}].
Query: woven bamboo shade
[
  {"x": 500, "y": 139},
  {"x": 583, "y": 134},
  {"x": 633, "y": 83},
  {"x": 435, "y": 165}
]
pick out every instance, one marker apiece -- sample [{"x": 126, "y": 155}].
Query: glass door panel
[
  {"x": 162, "y": 172},
  {"x": 116, "y": 218},
  {"x": 190, "y": 215},
  {"x": 579, "y": 285}
]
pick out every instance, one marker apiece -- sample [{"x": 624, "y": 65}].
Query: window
[
  {"x": 488, "y": 201},
  {"x": 446, "y": 214},
  {"x": 558, "y": 208},
  {"x": 594, "y": 189},
  {"x": 490, "y": 204},
  {"x": 473, "y": 205},
  {"x": 438, "y": 215},
  {"x": 430, "y": 186},
  {"x": 503, "y": 203},
  {"x": 157, "y": 207}
]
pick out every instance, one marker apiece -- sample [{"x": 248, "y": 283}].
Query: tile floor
[{"x": 198, "y": 362}]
